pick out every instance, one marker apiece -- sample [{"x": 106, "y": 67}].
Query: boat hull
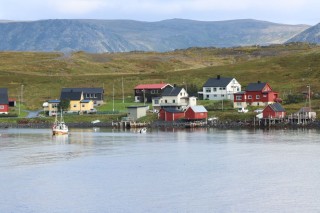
[{"x": 59, "y": 132}]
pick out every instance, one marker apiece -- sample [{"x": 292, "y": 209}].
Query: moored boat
[{"x": 59, "y": 127}]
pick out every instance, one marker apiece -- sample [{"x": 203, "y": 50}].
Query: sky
[{"x": 278, "y": 11}]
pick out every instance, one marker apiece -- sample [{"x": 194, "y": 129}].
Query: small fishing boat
[
  {"x": 59, "y": 127},
  {"x": 143, "y": 130}
]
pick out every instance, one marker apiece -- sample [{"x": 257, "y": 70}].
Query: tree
[{"x": 64, "y": 105}]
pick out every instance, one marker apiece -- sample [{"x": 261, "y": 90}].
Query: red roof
[{"x": 151, "y": 86}]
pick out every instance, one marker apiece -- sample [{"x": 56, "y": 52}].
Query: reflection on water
[{"x": 165, "y": 170}]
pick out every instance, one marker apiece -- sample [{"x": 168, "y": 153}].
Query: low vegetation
[{"x": 34, "y": 77}]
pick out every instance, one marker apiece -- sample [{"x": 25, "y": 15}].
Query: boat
[
  {"x": 143, "y": 130},
  {"x": 59, "y": 127}
]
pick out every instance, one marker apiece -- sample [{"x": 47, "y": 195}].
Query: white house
[
  {"x": 220, "y": 88},
  {"x": 175, "y": 97}
]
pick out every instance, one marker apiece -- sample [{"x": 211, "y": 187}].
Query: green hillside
[{"x": 288, "y": 68}]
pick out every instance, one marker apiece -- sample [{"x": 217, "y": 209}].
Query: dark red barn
[
  {"x": 274, "y": 111},
  {"x": 196, "y": 113},
  {"x": 170, "y": 114}
]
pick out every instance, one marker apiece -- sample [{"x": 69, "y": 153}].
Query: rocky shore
[{"x": 163, "y": 124}]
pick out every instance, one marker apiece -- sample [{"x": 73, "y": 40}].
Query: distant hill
[
  {"x": 310, "y": 35},
  {"x": 99, "y": 36}
]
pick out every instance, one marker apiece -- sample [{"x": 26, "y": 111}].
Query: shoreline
[{"x": 180, "y": 125}]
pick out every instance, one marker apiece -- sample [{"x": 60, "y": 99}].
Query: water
[{"x": 100, "y": 170}]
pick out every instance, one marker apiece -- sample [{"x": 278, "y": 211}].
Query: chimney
[{"x": 218, "y": 76}]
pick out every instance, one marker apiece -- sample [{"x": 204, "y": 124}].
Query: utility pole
[
  {"x": 122, "y": 92},
  {"x": 309, "y": 94},
  {"x": 113, "y": 97},
  {"x": 21, "y": 93}
]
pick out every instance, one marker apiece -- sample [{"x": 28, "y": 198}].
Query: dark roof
[
  {"x": 217, "y": 82},
  {"x": 174, "y": 91},
  {"x": 84, "y": 90},
  {"x": 305, "y": 109},
  {"x": 4, "y": 96},
  {"x": 172, "y": 110},
  {"x": 3, "y": 90},
  {"x": 255, "y": 86},
  {"x": 277, "y": 107},
  {"x": 72, "y": 96}
]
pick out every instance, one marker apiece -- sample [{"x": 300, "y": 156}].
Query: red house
[
  {"x": 256, "y": 94},
  {"x": 170, "y": 114},
  {"x": 4, "y": 101},
  {"x": 145, "y": 92},
  {"x": 196, "y": 113},
  {"x": 274, "y": 111}
]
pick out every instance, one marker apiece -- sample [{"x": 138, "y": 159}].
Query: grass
[{"x": 288, "y": 69}]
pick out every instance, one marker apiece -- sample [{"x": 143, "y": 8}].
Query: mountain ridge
[
  {"x": 310, "y": 35},
  {"x": 98, "y": 36}
]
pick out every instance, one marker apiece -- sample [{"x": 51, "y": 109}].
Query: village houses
[
  {"x": 175, "y": 98},
  {"x": 145, "y": 92},
  {"x": 255, "y": 94},
  {"x": 220, "y": 88}
]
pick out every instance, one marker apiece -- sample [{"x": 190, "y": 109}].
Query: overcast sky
[{"x": 279, "y": 11}]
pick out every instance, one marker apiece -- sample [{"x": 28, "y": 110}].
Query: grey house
[{"x": 220, "y": 88}]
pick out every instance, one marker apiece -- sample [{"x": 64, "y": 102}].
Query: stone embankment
[{"x": 163, "y": 124}]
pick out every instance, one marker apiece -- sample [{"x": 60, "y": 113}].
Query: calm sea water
[{"x": 101, "y": 170}]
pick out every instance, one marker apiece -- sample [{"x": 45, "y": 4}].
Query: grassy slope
[{"x": 287, "y": 68}]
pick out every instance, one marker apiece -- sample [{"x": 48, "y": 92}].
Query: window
[
  {"x": 75, "y": 105},
  {"x": 214, "y": 89},
  {"x": 223, "y": 88},
  {"x": 264, "y": 95},
  {"x": 249, "y": 96},
  {"x": 165, "y": 101},
  {"x": 208, "y": 89},
  {"x": 173, "y": 101},
  {"x": 156, "y": 101},
  {"x": 95, "y": 95},
  {"x": 1, "y": 107},
  {"x": 239, "y": 97},
  {"x": 83, "y": 105},
  {"x": 207, "y": 96},
  {"x": 257, "y": 96},
  {"x": 222, "y": 95},
  {"x": 214, "y": 95}
]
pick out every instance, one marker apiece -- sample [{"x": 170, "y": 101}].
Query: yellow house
[
  {"x": 51, "y": 107},
  {"x": 77, "y": 103}
]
